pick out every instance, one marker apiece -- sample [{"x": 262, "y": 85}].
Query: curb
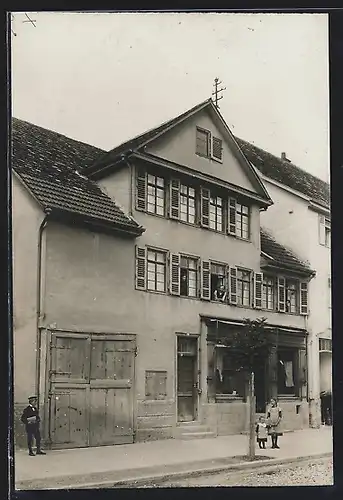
[{"x": 144, "y": 480}]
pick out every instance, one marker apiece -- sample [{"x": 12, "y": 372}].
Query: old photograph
[{"x": 171, "y": 249}]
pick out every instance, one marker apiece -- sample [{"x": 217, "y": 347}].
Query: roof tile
[{"x": 49, "y": 164}]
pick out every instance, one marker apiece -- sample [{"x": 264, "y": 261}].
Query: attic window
[
  {"x": 207, "y": 145},
  {"x": 203, "y": 138}
]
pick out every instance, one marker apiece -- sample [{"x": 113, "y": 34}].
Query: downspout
[{"x": 38, "y": 299}]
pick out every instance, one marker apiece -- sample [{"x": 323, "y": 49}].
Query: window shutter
[
  {"x": 232, "y": 216},
  {"x": 217, "y": 148},
  {"x": 304, "y": 298},
  {"x": 205, "y": 292},
  {"x": 174, "y": 199},
  {"x": 205, "y": 207},
  {"x": 281, "y": 294},
  {"x": 321, "y": 229},
  {"x": 140, "y": 268},
  {"x": 174, "y": 274},
  {"x": 141, "y": 189},
  {"x": 258, "y": 283},
  {"x": 233, "y": 285}
]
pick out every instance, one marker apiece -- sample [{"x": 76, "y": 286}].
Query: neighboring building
[
  {"x": 300, "y": 219},
  {"x": 119, "y": 312}
]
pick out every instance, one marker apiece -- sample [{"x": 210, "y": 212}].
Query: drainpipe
[{"x": 38, "y": 299}]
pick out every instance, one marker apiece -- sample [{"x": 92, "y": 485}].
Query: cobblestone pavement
[{"x": 315, "y": 472}]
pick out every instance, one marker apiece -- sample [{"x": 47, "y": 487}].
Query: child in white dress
[{"x": 261, "y": 432}]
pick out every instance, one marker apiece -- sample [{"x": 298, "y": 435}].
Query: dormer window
[{"x": 207, "y": 145}]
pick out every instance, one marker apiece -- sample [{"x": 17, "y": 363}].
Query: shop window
[
  {"x": 287, "y": 372},
  {"x": 229, "y": 381}
]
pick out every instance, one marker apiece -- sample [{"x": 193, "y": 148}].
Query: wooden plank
[
  {"x": 69, "y": 418},
  {"x": 111, "y": 384}
]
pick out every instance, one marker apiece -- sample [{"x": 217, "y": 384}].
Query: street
[{"x": 314, "y": 472}]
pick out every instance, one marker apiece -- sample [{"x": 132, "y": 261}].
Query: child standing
[
  {"x": 274, "y": 416},
  {"x": 261, "y": 432}
]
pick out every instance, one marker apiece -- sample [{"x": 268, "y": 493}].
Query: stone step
[{"x": 197, "y": 435}]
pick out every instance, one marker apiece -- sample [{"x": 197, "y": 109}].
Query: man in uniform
[{"x": 31, "y": 420}]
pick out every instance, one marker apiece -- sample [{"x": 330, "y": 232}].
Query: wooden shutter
[
  {"x": 217, "y": 148},
  {"x": 233, "y": 285},
  {"x": 303, "y": 298},
  {"x": 321, "y": 229},
  {"x": 141, "y": 189},
  {"x": 174, "y": 199},
  {"x": 140, "y": 268},
  {"x": 281, "y": 282},
  {"x": 205, "y": 207},
  {"x": 232, "y": 216},
  {"x": 174, "y": 287},
  {"x": 258, "y": 285},
  {"x": 205, "y": 292}
]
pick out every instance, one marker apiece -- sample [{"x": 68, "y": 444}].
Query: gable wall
[{"x": 178, "y": 145}]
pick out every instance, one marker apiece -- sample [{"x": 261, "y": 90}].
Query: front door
[
  {"x": 91, "y": 389},
  {"x": 187, "y": 378}
]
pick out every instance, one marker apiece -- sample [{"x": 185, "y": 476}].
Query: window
[
  {"x": 242, "y": 221},
  {"x": 229, "y": 381},
  {"x": 187, "y": 204},
  {"x": 156, "y": 271},
  {"x": 291, "y": 296},
  {"x": 216, "y": 213},
  {"x": 324, "y": 231},
  {"x": 156, "y": 195},
  {"x": 188, "y": 277},
  {"x": 218, "y": 282},
  {"x": 155, "y": 384},
  {"x": 286, "y": 372},
  {"x": 203, "y": 142},
  {"x": 243, "y": 287},
  {"x": 268, "y": 293},
  {"x": 325, "y": 345},
  {"x": 208, "y": 145}
]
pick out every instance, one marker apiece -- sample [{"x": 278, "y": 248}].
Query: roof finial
[{"x": 216, "y": 92}]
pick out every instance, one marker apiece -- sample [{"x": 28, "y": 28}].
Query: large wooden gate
[{"x": 91, "y": 379}]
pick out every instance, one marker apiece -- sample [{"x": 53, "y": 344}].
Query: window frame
[
  {"x": 156, "y": 197},
  {"x": 239, "y": 220},
  {"x": 188, "y": 197},
  {"x": 208, "y": 135},
  {"x": 225, "y": 350},
  {"x": 165, "y": 266},
  {"x": 196, "y": 260},
  {"x": 297, "y": 295},
  {"x": 216, "y": 207},
  {"x": 274, "y": 290},
  {"x": 225, "y": 267},
  {"x": 251, "y": 274}
]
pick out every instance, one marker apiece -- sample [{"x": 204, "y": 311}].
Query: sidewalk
[{"x": 60, "y": 468}]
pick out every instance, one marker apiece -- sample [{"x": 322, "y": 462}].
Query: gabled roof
[
  {"x": 117, "y": 155},
  {"x": 287, "y": 173},
  {"x": 278, "y": 255},
  {"x": 49, "y": 163}
]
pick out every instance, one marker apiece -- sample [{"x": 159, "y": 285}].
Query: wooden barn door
[
  {"x": 91, "y": 389},
  {"x": 111, "y": 390},
  {"x": 69, "y": 390}
]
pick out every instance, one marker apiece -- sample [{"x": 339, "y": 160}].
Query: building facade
[
  {"x": 138, "y": 263},
  {"x": 300, "y": 219}
]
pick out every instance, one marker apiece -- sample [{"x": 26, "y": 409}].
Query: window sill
[
  {"x": 227, "y": 398},
  {"x": 156, "y": 292}
]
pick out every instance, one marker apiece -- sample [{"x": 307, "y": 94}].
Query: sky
[{"x": 103, "y": 78}]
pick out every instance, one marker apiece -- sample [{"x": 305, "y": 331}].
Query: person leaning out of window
[{"x": 220, "y": 293}]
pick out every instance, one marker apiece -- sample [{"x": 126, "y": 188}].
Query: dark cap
[{"x": 32, "y": 397}]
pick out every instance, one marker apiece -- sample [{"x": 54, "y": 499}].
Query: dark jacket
[{"x": 30, "y": 411}]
